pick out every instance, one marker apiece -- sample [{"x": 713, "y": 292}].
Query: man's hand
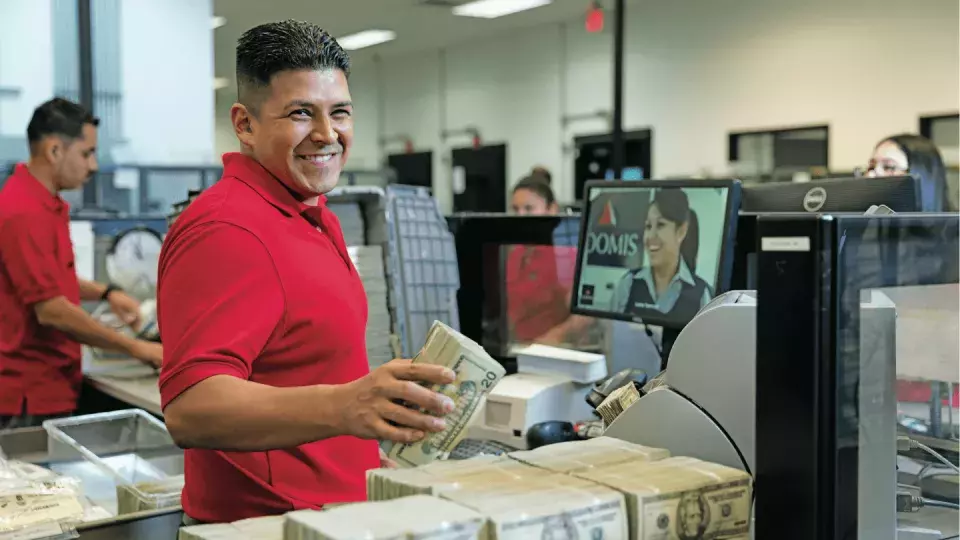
[
  {"x": 126, "y": 308},
  {"x": 147, "y": 352},
  {"x": 370, "y": 408},
  {"x": 385, "y": 462}
]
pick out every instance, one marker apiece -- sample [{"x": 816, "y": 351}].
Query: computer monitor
[
  {"x": 899, "y": 193},
  {"x": 655, "y": 251},
  {"x": 516, "y": 279}
]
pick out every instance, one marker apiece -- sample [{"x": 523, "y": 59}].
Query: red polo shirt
[
  {"x": 538, "y": 282},
  {"x": 256, "y": 285},
  {"x": 40, "y": 370}
]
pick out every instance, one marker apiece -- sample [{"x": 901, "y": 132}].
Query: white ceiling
[{"x": 418, "y": 26}]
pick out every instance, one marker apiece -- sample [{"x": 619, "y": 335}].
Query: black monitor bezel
[
  {"x": 827, "y": 183},
  {"x": 725, "y": 268}
]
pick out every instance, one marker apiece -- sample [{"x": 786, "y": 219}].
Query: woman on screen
[
  {"x": 668, "y": 283},
  {"x": 539, "y": 278},
  {"x": 919, "y": 157}
]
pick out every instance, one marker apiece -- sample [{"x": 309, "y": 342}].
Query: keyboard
[{"x": 469, "y": 448}]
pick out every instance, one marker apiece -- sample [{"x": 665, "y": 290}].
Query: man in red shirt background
[
  {"x": 41, "y": 322},
  {"x": 265, "y": 380}
]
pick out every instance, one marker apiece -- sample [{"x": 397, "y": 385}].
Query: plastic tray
[{"x": 121, "y": 448}]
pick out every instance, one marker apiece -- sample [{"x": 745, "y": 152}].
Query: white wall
[
  {"x": 694, "y": 72},
  {"x": 26, "y": 62},
  {"x": 166, "y": 56}
]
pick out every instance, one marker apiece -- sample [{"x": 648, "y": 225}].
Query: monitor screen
[
  {"x": 655, "y": 251},
  {"x": 900, "y": 193},
  {"x": 516, "y": 280}
]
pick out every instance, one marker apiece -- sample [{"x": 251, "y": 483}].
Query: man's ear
[
  {"x": 52, "y": 149},
  {"x": 243, "y": 123}
]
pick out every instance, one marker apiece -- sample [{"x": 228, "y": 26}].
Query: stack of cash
[
  {"x": 549, "y": 506},
  {"x": 691, "y": 498},
  {"x": 368, "y": 261},
  {"x": 575, "y": 456},
  {"x": 410, "y": 518},
  {"x": 618, "y": 401},
  {"x": 154, "y": 495},
  {"x": 350, "y": 216},
  {"x": 264, "y": 528},
  {"x": 440, "y": 476},
  {"x": 476, "y": 374}
]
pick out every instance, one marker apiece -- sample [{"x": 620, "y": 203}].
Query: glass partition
[{"x": 857, "y": 370}]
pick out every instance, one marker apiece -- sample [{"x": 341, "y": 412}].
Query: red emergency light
[{"x": 594, "y": 20}]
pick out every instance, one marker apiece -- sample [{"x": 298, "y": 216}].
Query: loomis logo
[{"x": 606, "y": 244}]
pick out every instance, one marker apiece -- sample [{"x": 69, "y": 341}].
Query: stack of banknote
[
  {"x": 552, "y": 505},
  {"x": 680, "y": 497},
  {"x": 476, "y": 374},
  {"x": 440, "y": 476},
  {"x": 350, "y": 215},
  {"x": 569, "y": 457},
  {"x": 618, "y": 401},
  {"x": 368, "y": 260},
  {"x": 151, "y": 495},
  {"x": 264, "y": 528},
  {"x": 409, "y": 518}
]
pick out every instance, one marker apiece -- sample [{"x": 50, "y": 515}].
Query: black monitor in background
[
  {"x": 516, "y": 275},
  {"x": 655, "y": 252},
  {"x": 899, "y": 193},
  {"x": 843, "y": 196}
]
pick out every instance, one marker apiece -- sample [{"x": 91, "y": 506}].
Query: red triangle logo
[{"x": 607, "y": 216}]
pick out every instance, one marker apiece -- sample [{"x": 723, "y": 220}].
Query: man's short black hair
[
  {"x": 60, "y": 117},
  {"x": 268, "y": 49}
]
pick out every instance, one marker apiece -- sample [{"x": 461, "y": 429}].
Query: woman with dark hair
[
  {"x": 668, "y": 282},
  {"x": 539, "y": 279},
  {"x": 919, "y": 157}
]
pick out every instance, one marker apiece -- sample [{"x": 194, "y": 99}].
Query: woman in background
[
  {"x": 668, "y": 283},
  {"x": 539, "y": 279},
  {"x": 917, "y": 156}
]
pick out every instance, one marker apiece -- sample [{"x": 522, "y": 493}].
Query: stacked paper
[
  {"x": 409, "y": 518},
  {"x": 149, "y": 495},
  {"x": 680, "y": 497},
  {"x": 618, "y": 401},
  {"x": 264, "y": 528},
  {"x": 476, "y": 374},
  {"x": 547, "y": 506},
  {"x": 575, "y": 456},
  {"x": 440, "y": 476},
  {"x": 351, "y": 222},
  {"x": 368, "y": 260}
]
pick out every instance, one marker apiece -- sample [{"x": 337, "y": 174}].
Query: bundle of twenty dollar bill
[{"x": 476, "y": 374}]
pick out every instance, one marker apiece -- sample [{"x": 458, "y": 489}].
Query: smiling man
[{"x": 265, "y": 379}]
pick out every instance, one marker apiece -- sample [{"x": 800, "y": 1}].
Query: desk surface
[{"x": 125, "y": 379}]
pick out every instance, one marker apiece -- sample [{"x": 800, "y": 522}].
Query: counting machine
[{"x": 707, "y": 407}]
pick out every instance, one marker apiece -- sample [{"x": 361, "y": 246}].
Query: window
[
  {"x": 780, "y": 155},
  {"x": 944, "y": 131}
]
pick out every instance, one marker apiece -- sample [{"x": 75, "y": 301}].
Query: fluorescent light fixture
[
  {"x": 217, "y": 22},
  {"x": 491, "y": 9},
  {"x": 220, "y": 83},
  {"x": 367, "y": 38}
]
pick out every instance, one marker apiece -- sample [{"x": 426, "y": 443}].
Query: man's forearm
[
  {"x": 59, "y": 313},
  {"x": 211, "y": 414},
  {"x": 91, "y": 290}
]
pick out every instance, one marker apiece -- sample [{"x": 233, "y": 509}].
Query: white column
[
  {"x": 26, "y": 62},
  {"x": 166, "y": 71}
]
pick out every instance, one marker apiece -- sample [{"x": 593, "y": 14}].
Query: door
[
  {"x": 594, "y": 156},
  {"x": 480, "y": 179},
  {"x": 413, "y": 169}
]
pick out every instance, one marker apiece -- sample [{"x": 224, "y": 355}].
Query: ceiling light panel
[
  {"x": 491, "y": 9},
  {"x": 367, "y": 38}
]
